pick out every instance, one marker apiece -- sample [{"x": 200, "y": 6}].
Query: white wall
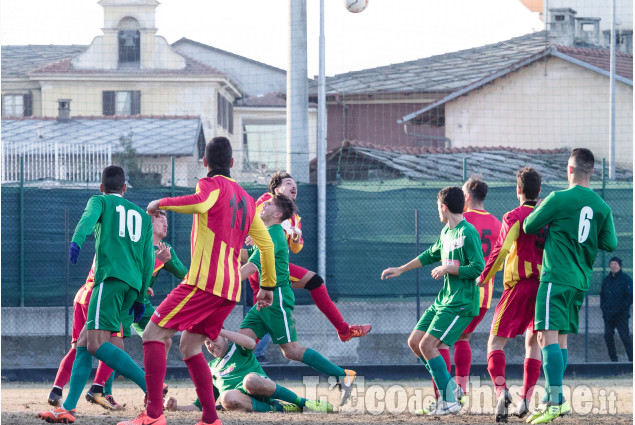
[{"x": 566, "y": 108}]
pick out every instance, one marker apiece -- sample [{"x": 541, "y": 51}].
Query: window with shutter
[{"x": 108, "y": 102}]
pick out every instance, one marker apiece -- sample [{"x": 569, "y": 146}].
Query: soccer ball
[{"x": 356, "y": 6}]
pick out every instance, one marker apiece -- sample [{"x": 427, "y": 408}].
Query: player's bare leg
[
  {"x": 553, "y": 346},
  {"x": 236, "y": 400},
  {"x": 97, "y": 393},
  {"x": 429, "y": 348},
  {"x": 315, "y": 284}
]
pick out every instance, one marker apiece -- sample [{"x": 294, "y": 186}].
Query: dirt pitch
[{"x": 594, "y": 401}]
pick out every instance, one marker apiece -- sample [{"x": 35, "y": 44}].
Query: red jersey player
[
  {"x": 301, "y": 278},
  {"x": 522, "y": 254},
  {"x": 224, "y": 214},
  {"x": 488, "y": 227}
]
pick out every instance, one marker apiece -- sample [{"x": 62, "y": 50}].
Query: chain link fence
[{"x": 371, "y": 224}]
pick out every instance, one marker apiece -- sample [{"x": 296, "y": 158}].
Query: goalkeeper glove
[
  {"x": 73, "y": 253},
  {"x": 137, "y": 311}
]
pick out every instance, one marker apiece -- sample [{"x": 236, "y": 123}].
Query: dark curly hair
[
  {"x": 285, "y": 205},
  {"x": 276, "y": 180}
]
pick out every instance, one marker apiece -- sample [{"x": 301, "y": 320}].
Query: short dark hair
[
  {"x": 528, "y": 180},
  {"x": 285, "y": 205},
  {"x": 584, "y": 161},
  {"x": 477, "y": 188},
  {"x": 113, "y": 178},
  {"x": 276, "y": 180},
  {"x": 453, "y": 198},
  {"x": 218, "y": 153}
]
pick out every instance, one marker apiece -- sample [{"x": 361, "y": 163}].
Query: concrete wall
[{"x": 546, "y": 106}]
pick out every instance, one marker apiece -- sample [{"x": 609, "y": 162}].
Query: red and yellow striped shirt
[
  {"x": 224, "y": 214},
  {"x": 522, "y": 253},
  {"x": 83, "y": 294},
  {"x": 488, "y": 228},
  {"x": 287, "y": 225}
]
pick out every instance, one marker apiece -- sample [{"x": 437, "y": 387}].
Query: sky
[{"x": 388, "y": 31}]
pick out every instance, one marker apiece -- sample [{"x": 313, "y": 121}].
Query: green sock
[
  {"x": 565, "y": 359},
  {"x": 120, "y": 361},
  {"x": 82, "y": 366},
  {"x": 318, "y": 362},
  {"x": 285, "y": 394},
  {"x": 553, "y": 368},
  {"x": 108, "y": 385},
  {"x": 261, "y": 406},
  {"x": 442, "y": 378}
]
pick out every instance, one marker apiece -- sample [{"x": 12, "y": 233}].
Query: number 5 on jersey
[{"x": 133, "y": 221}]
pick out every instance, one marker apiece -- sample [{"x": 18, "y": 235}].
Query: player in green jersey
[
  {"x": 241, "y": 382},
  {"x": 123, "y": 269},
  {"x": 580, "y": 223},
  {"x": 278, "y": 320},
  {"x": 459, "y": 250}
]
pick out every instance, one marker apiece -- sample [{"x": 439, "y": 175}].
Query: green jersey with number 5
[
  {"x": 123, "y": 240},
  {"x": 579, "y": 223}
]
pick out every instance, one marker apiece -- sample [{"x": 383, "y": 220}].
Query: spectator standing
[{"x": 616, "y": 298}]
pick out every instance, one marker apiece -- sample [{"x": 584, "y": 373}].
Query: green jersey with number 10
[
  {"x": 123, "y": 240},
  {"x": 579, "y": 223}
]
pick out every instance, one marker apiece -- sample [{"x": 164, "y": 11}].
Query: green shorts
[
  {"x": 276, "y": 320},
  {"x": 141, "y": 324},
  {"x": 445, "y": 325},
  {"x": 558, "y": 308},
  {"x": 109, "y": 305}
]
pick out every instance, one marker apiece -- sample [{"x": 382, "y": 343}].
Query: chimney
[
  {"x": 562, "y": 26},
  {"x": 587, "y": 31},
  {"x": 64, "y": 110}
]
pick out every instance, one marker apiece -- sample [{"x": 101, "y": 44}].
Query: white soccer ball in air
[{"x": 356, "y": 6}]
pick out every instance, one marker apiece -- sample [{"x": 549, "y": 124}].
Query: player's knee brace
[{"x": 315, "y": 282}]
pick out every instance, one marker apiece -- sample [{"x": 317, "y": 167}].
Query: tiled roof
[
  {"x": 269, "y": 99},
  {"x": 447, "y": 72},
  {"x": 65, "y": 66},
  {"x": 447, "y": 163},
  {"x": 151, "y": 135},
  {"x": 452, "y": 71},
  {"x": 602, "y": 59},
  {"x": 183, "y": 40},
  {"x": 18, "y": 61}
]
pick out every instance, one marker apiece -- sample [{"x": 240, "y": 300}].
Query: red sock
[
  {"x": 462, "y": 363},
  {"x": 530, "y": 377},
  {"x": 155, "y": 367},
  {"x": 202, "y": 378},
  {"x": 323, "y": 302},
  {"x": 102, "y": 374},
  {"x": 496, "y": 369},
  {"x": 445, "y": 353},
  {"x": 65, "y": 369}
]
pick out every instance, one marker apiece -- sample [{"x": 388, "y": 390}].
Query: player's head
[
  {"x": 277, "y": 209},
  {"x": 474, "y": 191},
  {"x": 218, "y": 154},
  {"x": 159, "y": 224},
  {"x": 581, "y": 164},
  {"x": 450, "y": 200},
  {"x": 217, "y": 347},
  {"x": 528, "y": 183},
  {"x": 283, "y": 183},
  {"x": 113, "y": 180}
]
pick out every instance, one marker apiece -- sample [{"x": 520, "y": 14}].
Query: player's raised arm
[
  {"x": 174, "y": 265},
  {"x": 261, "y": 238},
  {"x": 510, "y": 230},
  {"x": 239, "y": 339},
  {"x": 296, "y": 243},
  {"x": 205, "y": 197}
]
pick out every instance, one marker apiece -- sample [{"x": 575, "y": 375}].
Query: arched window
[{"x": 129, "y": 46}]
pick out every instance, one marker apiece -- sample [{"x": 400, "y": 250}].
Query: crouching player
[
  {"x": 241, "y": 382},
  {"x": 522, "y": 254},
  {"x": 459, "y": 250}
]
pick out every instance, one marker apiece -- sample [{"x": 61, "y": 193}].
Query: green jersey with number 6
[
  {"x": 123, "y": 240},
  {"x": 579, "y": 223}
]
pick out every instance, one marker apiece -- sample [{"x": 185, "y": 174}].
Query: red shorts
[
  {"x": 188, "y": 308},
  {"x": 295, "y": 273},
  {"x": 515, "y": 311},
  {"x": 474, "y": 323}
]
